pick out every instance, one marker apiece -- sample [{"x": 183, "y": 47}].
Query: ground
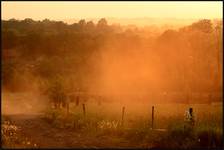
[{"x": 38, "y": 131}]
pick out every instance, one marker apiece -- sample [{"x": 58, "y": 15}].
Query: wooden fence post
[
  {"x": 84, "y": 109},
  {"x": 152, "y": 117},
  {"x": 122, "y": 118}
]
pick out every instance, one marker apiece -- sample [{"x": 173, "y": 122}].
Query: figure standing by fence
[{"x": 189, "y": 117}]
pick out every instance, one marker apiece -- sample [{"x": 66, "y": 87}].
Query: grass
[
  {"x": 105, "y": 121},
  {"x": 12, "y": 138},
  {"x": 100, "y": 120}
]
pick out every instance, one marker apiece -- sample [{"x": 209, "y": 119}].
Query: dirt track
[{"x": 45, "y": 136}]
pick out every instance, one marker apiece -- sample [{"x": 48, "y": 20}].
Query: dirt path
[{"x": 46, "y": 136}]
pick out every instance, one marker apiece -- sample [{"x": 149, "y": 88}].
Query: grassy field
[{"x": 103, "y": 123}]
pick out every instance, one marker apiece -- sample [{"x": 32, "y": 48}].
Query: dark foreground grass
[
  {"x": 205, "y": 134},
  {"x": 11, "y": 136},
  {"x": 136, "y": 131}
]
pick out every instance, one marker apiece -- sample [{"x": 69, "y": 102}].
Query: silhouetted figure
[{"x": 189, "y": 117}]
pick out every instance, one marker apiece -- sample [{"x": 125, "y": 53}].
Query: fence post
[
  {"x": 122, "y": 118},
  {"x": 152, "y": 117},
  {"x": 84, "y": 109}
]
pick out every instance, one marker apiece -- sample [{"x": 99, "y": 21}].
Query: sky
[{"x": 56, "y": 10}]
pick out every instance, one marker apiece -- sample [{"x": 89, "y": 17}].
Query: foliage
[
  {"x": 75, "y": 51},
  {"x": 56, "y": 91}
]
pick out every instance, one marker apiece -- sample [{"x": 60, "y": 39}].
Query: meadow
[{"x": 104, "y": 120}]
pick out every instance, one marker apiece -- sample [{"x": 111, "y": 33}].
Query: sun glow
[{"x": 67, "y": 10}]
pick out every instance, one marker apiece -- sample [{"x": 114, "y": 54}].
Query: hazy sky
[{"x": 67, "y": 10}]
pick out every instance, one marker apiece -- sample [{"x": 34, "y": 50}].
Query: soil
[{"x": 44, "y": 135}]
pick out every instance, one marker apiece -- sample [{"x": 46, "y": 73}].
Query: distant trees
[
  {"x": 82, "y": 23},
  {"x": 90, "y": 25},
  {"x": 193, "y": 48},
  {"x": 54, "y": 48},
  {"x": 102, "y": 23},
  {"x": 8, "y": 74},
  {"x": 103, "y": 27},
  {"x": 10, "y": 39},
  {"x": 204, "y": 25}
]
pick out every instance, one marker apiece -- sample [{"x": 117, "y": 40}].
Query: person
[{"x": 189, "y": 117}]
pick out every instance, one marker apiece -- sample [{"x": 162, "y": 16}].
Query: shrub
[{"x": 56, "y": 91}]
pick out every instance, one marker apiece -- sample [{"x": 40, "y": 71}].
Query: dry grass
[
  {"x": 100, "y": 120},
  {"x": 12, "y": 137},
  {"x": 105, "y": 121}
]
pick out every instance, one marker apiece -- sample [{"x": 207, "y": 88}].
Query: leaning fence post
[
  {"x": 122, "y": 118},
  {"x": 152, "y": 116},
  {"x": 84, "y": 109}
]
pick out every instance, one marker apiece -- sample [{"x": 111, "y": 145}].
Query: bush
[{"x": 56, "y": 91}]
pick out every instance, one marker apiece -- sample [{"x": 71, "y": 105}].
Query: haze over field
[{"x": 99, "y": 72}]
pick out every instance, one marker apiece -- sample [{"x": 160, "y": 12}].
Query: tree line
[{"x": 188, "y": 58}]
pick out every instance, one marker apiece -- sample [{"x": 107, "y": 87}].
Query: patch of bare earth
[{"x": 35, "y": 128}]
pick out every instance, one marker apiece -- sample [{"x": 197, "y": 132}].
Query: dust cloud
[
  {"x": 23, "y": 103},
  {"x": 135, "y": 64}
]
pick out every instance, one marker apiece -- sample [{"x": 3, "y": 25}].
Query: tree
[
  {"x": 204, "y": 25},
  {"x": 82, "y": 23},
  {"x": 102, "y": 23},
  {"x": 57, "y": 92},
  {"x": 10, "y": 38},
  {"x": 28, "y": 21},
  {"x": 90, "y": 25}
]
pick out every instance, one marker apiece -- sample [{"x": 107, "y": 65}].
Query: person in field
[{"x": 189, "y": 117}]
